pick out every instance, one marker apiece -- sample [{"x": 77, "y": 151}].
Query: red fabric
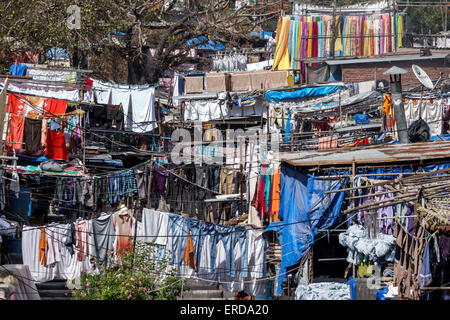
[
  {"x": 54, "y": 107},
  {"x": 56, "y": 145},
  {"x": 262, "y": 208},
  {"x": 315, "y": 42},
  {"x": 88, "y": 84},
  {"x": 15, "y": 133},
  {"x": 16, "y": 103}
]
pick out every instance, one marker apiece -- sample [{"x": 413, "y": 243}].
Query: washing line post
[
  {"x": 241, "y": 184},
  {"x": 135, "y": 216},
  {"x": 149, "y": 183}
]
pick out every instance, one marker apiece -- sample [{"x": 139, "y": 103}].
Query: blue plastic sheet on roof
[
  {"x": 304, "y": 209},
  {"x": 361, "y": 118},
  {"x": 202, "y": 42},
  {"x": 301, "y": 93}
]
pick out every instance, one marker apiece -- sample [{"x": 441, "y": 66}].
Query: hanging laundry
[
  {"x": 54, "y": 107},
  {"x": 43, "y": 248},
  {"x": 56, "y": 145},
  {"x": 82, "y": 243},
  {"x": 123, "y": 223},
  {"x": 311, "y": 36},
  {"x": 188, "y": 253},
  {"x": 275, "y": 196},
  {"x": 15, "y": 135}
]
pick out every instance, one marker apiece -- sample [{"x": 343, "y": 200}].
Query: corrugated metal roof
[
  {"x": 332, "y": 62},
  {"x": 371, "y": 155}
]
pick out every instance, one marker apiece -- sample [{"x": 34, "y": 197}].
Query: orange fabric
[
  {"x": 43, "y": 248},
  {"x": 188, "y": 253},
  {"x": 123, "y": 224},
  {"x": 16, "y": 104},
  {"x": 54, "y": 107},
  {"x": 276, "y": 188},
  {"x": 387, "y": 104},
  {"x": 15, "y": 133}
]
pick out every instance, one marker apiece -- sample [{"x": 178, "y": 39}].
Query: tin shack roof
[{"x": 377, "y": 154}]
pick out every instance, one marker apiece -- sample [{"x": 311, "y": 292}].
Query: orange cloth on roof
[
  {"x": 188, "y": 253},
  {"x": 276, "y": 188},
  {"x": 43, "y": 248}
]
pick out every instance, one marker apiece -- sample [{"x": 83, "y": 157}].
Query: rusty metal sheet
[{"x": 371, "y": 154}]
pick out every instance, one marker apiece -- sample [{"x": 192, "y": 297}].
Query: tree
[
  {"x": 132, "y": 276},
  {"x": 164, "y": 26},
  {"x": 423, "y": 19}
]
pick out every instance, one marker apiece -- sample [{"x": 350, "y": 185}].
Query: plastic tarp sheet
[
  {"x": 304, "y": 209},
  {"x": 203, "y": 43},
  {"x": 301, "y": 93}
]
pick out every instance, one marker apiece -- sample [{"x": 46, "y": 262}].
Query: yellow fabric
[
  {"x": 338, "y": 42},
  {"x": 400, "y": 31},
  {"x": 290, "y": 80},
  {"x": 387, "y": 105},
  {"x": 366, "y": 38},
  {"x": 297, "y": 46},
  {"x": 285, "y": 62},
  {"x": 281, "y": 59},
  {"x": 310, "y": 46},
  {"x": 393, "y": 32}
]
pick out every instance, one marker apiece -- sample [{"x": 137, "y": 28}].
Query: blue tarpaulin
[
  {"x": 301, "y": 93},
  {"x": 304, "y": 209},
  {"x": 203, "y": 43}
]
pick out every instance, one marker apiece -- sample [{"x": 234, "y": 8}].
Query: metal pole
[{"x": 399, "y": 110}]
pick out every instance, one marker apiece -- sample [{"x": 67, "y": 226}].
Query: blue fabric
[
  {"x": 304, "y": 208},
  {"x": 54, "y": 125},
  {"x": 445, "y": 137},
  {"x": 240, "y": 236},
  {"x": 361, "y": 118},
  {"x": 128, "y": 185},
  {"x": 287, "y": 129},
  {"x": 301, "y": 93},
  {"x": 175, "y": 230},
  {"x": 114, "y": 188},
  {"x": 230, "y": 236},
  {"x": 381, "y": 293},
  {"x": 18, "y": 70}
]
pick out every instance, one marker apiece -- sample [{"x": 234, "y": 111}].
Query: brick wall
[{"x": 352, "y": 73}]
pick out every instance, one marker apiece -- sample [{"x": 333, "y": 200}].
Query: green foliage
[
  {"x": 426, "y": 19},
  {"x": 132, "y": 277}
]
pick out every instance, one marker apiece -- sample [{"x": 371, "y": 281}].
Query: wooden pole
[
  {"x": 149, "y": 184},
  {"x": 135, "y": 217},
  {"x": 240, "y": 189}
]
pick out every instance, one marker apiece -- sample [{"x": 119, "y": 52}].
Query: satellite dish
[{"x": 422, "y": 76}]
